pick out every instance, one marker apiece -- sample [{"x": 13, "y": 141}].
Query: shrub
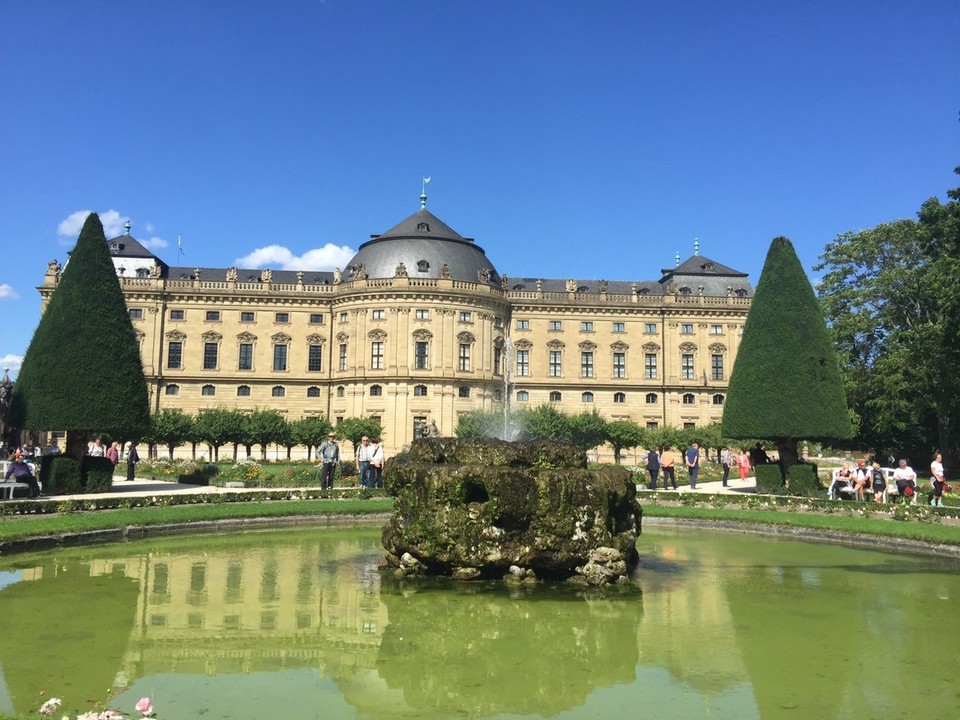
[
  {"x": 348, "y": 468},
  {"x": 802, "y": 480},
  {"x": 200, "y": 474},
  {"x": 62, "y": 475},
  {"x": 97, "y": 474},
  {"x": 769, "y": 479}
]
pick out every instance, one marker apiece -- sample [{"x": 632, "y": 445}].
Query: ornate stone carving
[
  {"x": 53, "y": 267},
  {"x": 688, "y": 347},
  {"x": 246, "y": 337},
  {"x": 619, "y": 346},
  {"x": 571, "y": 286},
  {"x": 539, "y": 285},
  {"x": 503, "y": 281},
  {"x": 401, "y": 271},
  {"x": 523, "y": 344},
  {"x": 231, "y": 274},
  {"x": 280, "y": 338},
  {"x": 466, "y": 337},
  {"x": 267, "y": 275},
  {"x": 718, "y": 349},
  {"x": 316, "y": 339},
  {"x": 176, "y": 335},
  {"x": 587, "y": 346},
  {"x": 155, "y": 271},
  {"x": 211, "y": 336},
  {"x": 483, "y": 275},
  {"x": 342, "y": 337},
  {"x": 556, "y": 345},
  {"x": 422, "y": 335},
  {"x": 337, "y": 276},
  {"x": 377, "y": 335},
  {"x": 602, "y": 286},
  {"x": 651, "y": 347},
  {"x": 299, "y": 277},
  {"x": 446, "y": 272}
]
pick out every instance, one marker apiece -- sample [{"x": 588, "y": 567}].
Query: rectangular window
[
  {"x": 586, "y": 326},
  {"x": 316, "y": 318},
  {"x": 555, "y": 325},
  {"x": 619, "y": 365},
  {"x": 314, "y": 358},
  {"x": 466, "y": 317},
  {"x": 343, "y": 356},
  {"x": 378, "y": 314},
  {"x": 213, "y": 316},
  {"x": 463, "y": 357},
  {"x": 246, "y": 316},
  {"x": 497, "y": 360},
  {"x": 523, "y": 362},
  {"x": 523, "y": 324},
  {"x": 555, "y": 363},
  {"x": 420, "y": 357},
  {"x": 652, "y": 424},
  {"x": 686, "y": 366},
  {"x": 176, "y": 314},
  {"x": 586, "y": 364},
  {"x": 376, "y": 355},
  {"x": 716, "y": 329},
  {"x": 136, "y": 314},
  {"x": 650, "y": 366},
  {"x": 649, "y": 327},
  {"x": 282, "y": 318},
  {"x": 210, "y": 356},
  {"x": 343, "y": 317},
  {"x": 279, "y": 358},
  {"x": 246, "y": 356},
  {"x": 686, "y": 329},
  {"x": 175, "y": 354},
  {"x": 716, "y": 367},
  {"x": 463, "y": 392},
  {"x": 422, "y": 314},
  {"x": 619, "y": 327}
]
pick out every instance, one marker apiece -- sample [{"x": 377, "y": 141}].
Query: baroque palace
[{"x": 421, "y": 327}]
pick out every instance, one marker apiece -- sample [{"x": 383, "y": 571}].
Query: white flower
[{"x": 49, "y": 706}]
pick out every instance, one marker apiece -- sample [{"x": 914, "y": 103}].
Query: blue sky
[{"x": 582, "y": 139}]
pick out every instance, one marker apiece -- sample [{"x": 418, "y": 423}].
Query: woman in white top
[{"x": 937, "y": 480}]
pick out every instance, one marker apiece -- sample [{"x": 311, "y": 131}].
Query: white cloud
[
  {"x": 8, "y": 293},
  {"x": 154, "y": 243},
  {"x": 11, "y": 363},
  {"x": 113, "y": 223},
  {"x": 328, "y": 257}
]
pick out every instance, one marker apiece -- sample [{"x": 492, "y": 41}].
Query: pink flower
[{"x": 144, "y": 706}]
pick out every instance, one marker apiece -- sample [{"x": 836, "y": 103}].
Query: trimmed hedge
[
  {"x": 769, "y": 479},
  {"x": 803, "y": 481},
  {"x": 61, "y": 475},
  {"x": 97, "y": 475}
]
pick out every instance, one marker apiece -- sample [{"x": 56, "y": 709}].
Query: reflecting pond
[{"x": 304, "y": 625}]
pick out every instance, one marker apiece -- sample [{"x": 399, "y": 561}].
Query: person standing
[
  {"x": 22, "y": 473},
  {"x": 113, "y": 454},
  {"x": 653, "y": 467},
  {"x": 133, "y": 457},
  {"x": 937, "y": 480},
  {"x": 693, "y": 464},
  {"x": 667, "y": 461},
  {"x": 329, "y": 458},
  {"x": 726, "y": 460},
  {"x": 743, "y": 463},
  {"x": 376, "y": 464},
  {"x": 364, "y": 456},
  {"x": 97, "y": 449}
]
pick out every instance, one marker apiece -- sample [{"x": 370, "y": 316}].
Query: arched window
[
  {"x": 419, "y": 390},
  {"x": 313, "y": 391},
  {"x": 172, "y": 390},
  {"x": 555, "y": 396},
  {"x": 243, "y": 391},
  {"x": 376, "y": 391},
  {"x": 651, "y": 398},
  {"x": 278, "y": 391},
  {"x": 619, "y": 397},
  {"x": 208, "y": 390},
  {"x": 587, "y": 397},
  {"x": 341, "y": 391},
  {"x": 688, "y": 399},
  {"x": 718, "y": 399},
  {"x": 523, "y": 396}
]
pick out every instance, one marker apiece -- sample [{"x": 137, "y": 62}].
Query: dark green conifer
[
  {"x": 82, "y": 371},
  {"x": 786, "y": 383}
]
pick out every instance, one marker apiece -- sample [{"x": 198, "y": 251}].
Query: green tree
[
  {"x": 588, "y": 430},
  {"x": 171, "y": 428},
  {"x": 623, "y": 435},
  {"x": 310, "y": 432},
  {"x": 262, "y": 427},
  {"x": 217, "y": 427},
  {"x": 786, "y": 384},
  {"x": 353, "y": 429},
  {"x": 892, "y": 300},
  {"x": 82, "y": 369},
  {"x": 480, "y": 424},
  {"x": 543, "y": 422}
]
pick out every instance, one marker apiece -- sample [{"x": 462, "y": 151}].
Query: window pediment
[
  {"x": 211, "y": 336},
  {"x": 466, "y": 337},
  {"x": 651, "y": 347},
  {"x": 280, "y": 338},
  {"x": 718, "y": 349},
  {"x": 315, "y": 339},
  {"x": 246, "y": 337},
  {"x": 342, "y": 337},
  {"x": 688, "y": 348},
  {"x": 556, "y": 345},
  {"x": 523, "y": 344},
  {"x": 377, "y": 335},
  {"x": 619, "y": 347},
  {"x": 176, "y": 335},
  {"x": 587, "y": 346}
]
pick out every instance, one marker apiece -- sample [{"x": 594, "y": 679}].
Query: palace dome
[{"x": 424, "y": 244}]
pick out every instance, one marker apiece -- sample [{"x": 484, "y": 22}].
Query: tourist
[
  {"x": 376, "y": 464},
  {"x": 937, "y": 480},
  {"x": 861, "y": 479},
  {"x": 693, "y": 464},
  {"x": 653, "y": 467},
  {"x": 906, "y": 480},
  {"x": 113, "y": 453},
  {"x": 133, "y": 457},
  {"x": 879, "y": 484},
  {"x": 329, "y": 457},
  {"x": 726, "y": 460},
  {"x": 53, "y": 448},
  {"x": 22, "y": 473},
  {"x": 364, "y": 455},
  {"x": 841, "y": 481},
  {"x": 743, "y": 463},
  {"x": 758, "y": 456},
  {"x": 97, "y": 449},
  {"x": 667, "y": 461}
]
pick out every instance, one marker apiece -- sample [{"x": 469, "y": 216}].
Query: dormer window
[
  {"x": 423, "y": 266},
  {"x": 143, "y": 272},
  {"x": 685, "y": 290}
]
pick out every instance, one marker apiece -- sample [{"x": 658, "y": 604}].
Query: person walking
[
  {"x": 743, "y": 463},
  {"x": 133, "y": 457},
  {"x": 329, "y": 458},
  {"x": 726, "y": 460},
  {"x": 667, "y": 461},
  {"x": 653, "y": 467},
  {"x": 693, "y": 464}
]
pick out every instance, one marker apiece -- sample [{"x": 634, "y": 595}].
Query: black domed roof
[{"x": 424, "y": 244}]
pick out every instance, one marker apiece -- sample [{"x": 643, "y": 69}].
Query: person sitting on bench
[{"x": 22, "y": 473}]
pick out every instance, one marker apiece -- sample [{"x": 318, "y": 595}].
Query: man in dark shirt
[
  {"x": 22, "y": 473},
  {"x": 693, "y": 464}
]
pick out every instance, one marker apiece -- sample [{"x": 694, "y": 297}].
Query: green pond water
[{"x": 304, "y": 625}]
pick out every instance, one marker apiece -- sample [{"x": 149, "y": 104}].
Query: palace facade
[{"x": 421, "y": 327}]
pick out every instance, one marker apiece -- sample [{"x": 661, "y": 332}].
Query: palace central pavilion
[{"x": 421, "y": 327}]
